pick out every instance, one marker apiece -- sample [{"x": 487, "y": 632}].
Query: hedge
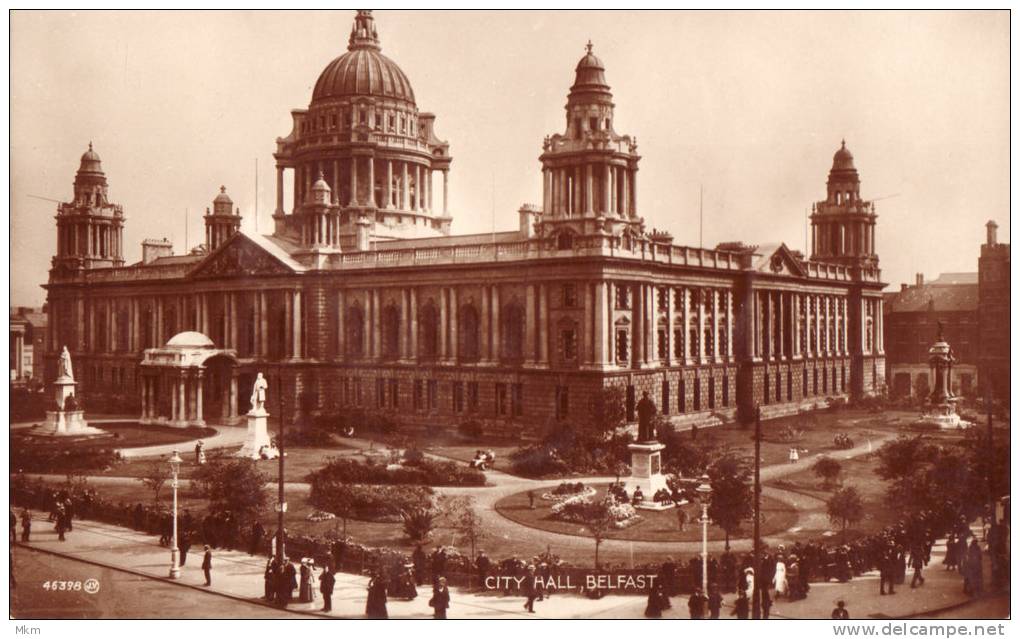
[{"x": 422, "y": 472}]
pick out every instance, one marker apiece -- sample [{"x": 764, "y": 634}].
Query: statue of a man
[
  {"x": 258, "y": 394},
  {"x": 65, "y": 364},
  {"x": 646, "y": 411}
]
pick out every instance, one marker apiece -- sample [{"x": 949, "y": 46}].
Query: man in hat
[
  {"x": 532, "y": 590},
  {"x": 440, "y": 599},
  {"x": 840, "y": 612},
  {"x": 207, "y": 565},
  {"x": 696, "y": 604},
  {"x": 326, "y": 583}
]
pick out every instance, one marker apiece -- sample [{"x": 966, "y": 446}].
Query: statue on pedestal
[
  {"x": 646, "y": 411},
  {"x": 65, "y": 365},
  {"x": 258, "y": 394}
]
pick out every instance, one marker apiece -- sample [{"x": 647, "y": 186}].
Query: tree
[
  {"x": 845, "y": 507},
  {"x": 607, "y": 410},
  {"x": 462, "y": 516},
  {"x": 235, "y": 485},
  {"x": 155, "y": 476},
  {"x": 827, "y": 469},
  {"x": 419, "y": 524},
  {"x": 900, "y": 457},
  {"x": 596, "y": 517},
  {"x": 732, "y": 498}
]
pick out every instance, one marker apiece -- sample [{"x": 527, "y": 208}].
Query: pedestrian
[
  {"x": 741, "y": 606},
  {"x": 69, "y": 513},
  {"x": 290, "y": 582},
  {"x": 440, "y": 599},
  {"x": 199, "y": 453},
  {"x": 326, "y": 584},
  {"x": 917, "y": 563},
  {"x": 270, "y": 579},
  {"x": 26, "y": 525},
  {"x": 257, "y": 534},
  {"x": 482, "y": 564},
  {"x": 840, "y": 612},
  {"x": 951, "y": 560},
  {"x": 657, "y": 600},
  {"x": 305, "y": 584},
  {"x": 375, "y": 606},
  {"x": 696, "y": 604},
  {"x": 714, "y": 602},
  {"x": 61, "y": 523},
  {"x": 207, "y": 565},
  {"x": 766, "y": 603},
  {"x": 184, "y": 544},
  {"x": 532, "y": 590},
  {"x": 887, "y": 571},
  {"x": 973, "y": 570}
]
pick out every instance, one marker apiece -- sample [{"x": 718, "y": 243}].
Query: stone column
[
  {"x": 354, "y": 183},
  {"x": 376, "y": 323},
  {"x": 543, "y": 325},
  {"x": 651, "y": 317},
  {"x": 182, "y": 398},
  {"x": 606, "y": 190},
  {"x": 685, "y": 316},
  {"x": 880, "y": 333},
  {"x": 546, "y": 191},
  {"x": 198, "y": 396},
  {"x": 589, "y": 191},
  {"x": 829, "y": 337},
  {"x": 279, "y": 190},
  {"x": 341, "y": 328},
  {"x": 232, "y": 297},
  {"x": 413, "y": 350},
  {"x": 496, "y": 333},
  {"x": 485, "y": 345},
  {"x": 454, "y": 343},
  {"x": 232, "y": 410},
  {"x": 530, "y": 324},
  {"x": 403, "y": 339},
  {"x": 173, "y": 400},
  {"x": 578, "y": 208},
  {"x": 795, "y": 323},
  {"x": 601, "y": 327},
  {"x": 405, "y": 188},
  {"x": 428, "y": 189},
  {"x": 444, "y": 313},
  {"x": 588, "y": 328},
  {"x": 418, "y": 190},
  {"x": 783, "y": 313},
  {"x": 446, "y": 186},
  {"x": 371, "y": 181},
  {"x": 715, "y": 324},
  {"x": 701, "y": 326},
  {"x": 819, "y": 347},
  {"x": 388, "y": 189}
]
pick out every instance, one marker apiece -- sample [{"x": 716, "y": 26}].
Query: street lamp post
[
  {"x": 704, "y": 492},
  {"x": 175, "y": 469}
]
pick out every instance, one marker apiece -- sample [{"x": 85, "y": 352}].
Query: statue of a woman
[{"x": 65, "y": 365}]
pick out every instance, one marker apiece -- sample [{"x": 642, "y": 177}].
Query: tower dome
[
  {"x": 363, "y": 70},
  {"x": 843, "y": 160},
  {"x": 590, "y": 77},
  {"x": 90, "y": 162}
]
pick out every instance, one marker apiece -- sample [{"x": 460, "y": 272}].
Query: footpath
[{"x": 239, "y": 576}]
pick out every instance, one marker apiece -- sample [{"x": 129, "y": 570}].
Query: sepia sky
[{"x": 750, "y": 106}]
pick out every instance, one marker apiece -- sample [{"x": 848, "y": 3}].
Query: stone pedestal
[
  {"x": 646, "y": 473},
  {"x": 258, "y": 434},
  {"x": 65, "y": 423},
  {"x": 945, "y": 417}
]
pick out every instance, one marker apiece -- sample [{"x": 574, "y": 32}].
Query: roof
[
  {"x": 278, "y": 247},
  {"x": 173, "y": 259},
  {"x": 190, "y": 339},
  {"x": 957, "y": 278},
  {"x": 942, "y": 296}
]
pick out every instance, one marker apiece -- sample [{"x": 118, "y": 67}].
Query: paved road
[{"x": 121, "y": 595}]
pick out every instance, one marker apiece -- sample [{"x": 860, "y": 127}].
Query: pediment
[
  {"x": 780, "y": 261},
  {"x": 239, "y": 257}
]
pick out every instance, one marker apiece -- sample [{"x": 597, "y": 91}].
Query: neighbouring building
[
  {"x": 27, "y": 341},
  {"x": 361, "y": 296},
  {"x": 973, "y": 309}
]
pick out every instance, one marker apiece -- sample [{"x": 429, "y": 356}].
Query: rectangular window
[
  {"x": 711, "y": 393},
  {"x": 695, "y": 343},
  {"x": 394, "y": 395},
  {"x": 663, "y": 299},
  {"x": 662, "y": 344},
  {"x": 622, "y": 297},
  {"x": 765, "y": 389},
  {"x": 630, "y": 403},
  {"x": 622, "y": 347},
  {"x": 516, "y": 400},
  {"x": 458, "y": 397},
  {"x": 562, "y": 402},
  {"x": 678, "y": 343},
  {"x": 501, "y": 399},
  {"x": 433, "y": 389},
  {"x": 681, "y": 394},
  {"x": 380, "y": 392},
  {"x": 358, "y": 398},
  {"x": 665, "y": 397},
  {"x": 569, "y": 296},
  {"x": 726, "y": 391},
  {"x": 697, "y": 394},
  {"x": 569, "y": 337},
  {"x": 472, "y": 397},
  {"x": 419, "y": 394}
]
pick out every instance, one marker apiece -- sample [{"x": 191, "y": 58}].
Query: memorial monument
[
  {"x": 942, "y": 403},
  {"x": 646, "y": 458},
  {"x": 66, "y": 419},
  {"x": 257, "y": 439}
]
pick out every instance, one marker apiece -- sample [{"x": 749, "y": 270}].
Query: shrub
[
  {"x": 313, "y": 436},
  {"x": 368, "y": 503},
  {"x": 418, "y": 524},
  {"x": 50, "y": 458},
  {"x": 425, "y": 472},
  {"x": 569, "y": 449}
]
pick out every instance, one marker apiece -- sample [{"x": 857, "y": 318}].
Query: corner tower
[
  {"x": 89, "y": 228},
  {"x": 843, "y": 225},
  {"x": 590, "y": 171},
  {"x": 222, "y": 223}
]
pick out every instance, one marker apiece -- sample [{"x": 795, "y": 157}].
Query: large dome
[{"x": 363, "y": 70}]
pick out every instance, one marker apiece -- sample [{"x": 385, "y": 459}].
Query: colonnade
[
  {"x": 185, "y": 388},
  {"x": 595, "y": 188},
  {"x": 95, "y": 240}
]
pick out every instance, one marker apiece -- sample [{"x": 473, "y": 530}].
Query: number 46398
[{"x": 62, "y": 585}]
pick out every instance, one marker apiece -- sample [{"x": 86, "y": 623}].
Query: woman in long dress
[
  {"x": 779, "y": 581},
  {"x": 375, "y": 607},
  {"x": 313, "y": 582},
  {"x": 305, "y": 588}
]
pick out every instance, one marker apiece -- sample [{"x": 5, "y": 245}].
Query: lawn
[
  {"x": 655, "y": 526},
  {"x": 126, "y": 435}
]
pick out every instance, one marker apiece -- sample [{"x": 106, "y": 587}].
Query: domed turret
[
  {"x": 843, "y": 160},
  {"x": 321, "y": 191},
  {"x": 90, "y": 162},
  {"x": 223, "y": 222},
  {"x": 590, "y": 78},
  {"x": 844, "y": 224}
]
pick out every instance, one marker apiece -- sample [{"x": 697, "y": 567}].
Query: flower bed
[
  {"x": 567, "y": 490},
  {"x": 423, "y": 472},
  {"x": 623, "y": 515},
  {"x": 368, "y": 503}
]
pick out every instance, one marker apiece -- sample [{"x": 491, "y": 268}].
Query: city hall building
[{"x": 361, "y": 296}]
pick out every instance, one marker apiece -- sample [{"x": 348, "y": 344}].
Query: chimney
[
  {"x": 919, "y": 279},
  {"x": 529, "y": 214},
  {"x": 992, "y": 231},
  {"x": 153, "y": 249},
  {"x": 363, "y": 233}
]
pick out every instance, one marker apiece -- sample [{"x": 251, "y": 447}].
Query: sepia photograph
[{"x": 361, "y": 314}]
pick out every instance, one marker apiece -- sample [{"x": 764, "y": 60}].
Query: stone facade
[{"x": 359, "y": 300}]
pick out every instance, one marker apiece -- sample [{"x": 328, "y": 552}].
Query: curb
[{"x": 137, "y": 573}]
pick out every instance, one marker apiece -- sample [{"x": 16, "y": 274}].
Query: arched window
[
  {"x": 428, "y": 331},
  {"x": 169, "y": 324},
  {"x": 468, "y": 348},
  {"x": 565, "y": 241},
  {"x": 512, "y": 330},
  {"x": 355, "y": 327},
  {"x": 390, "y": 332}
]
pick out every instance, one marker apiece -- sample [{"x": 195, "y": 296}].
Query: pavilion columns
[
  {"x": 829, "y": 338},
  {"x": 781, "y": 324},
  {"x": 428, "y": 189},
  {"x": 296, "y": 324},
  {"x": 180, "y": 415},
  {"x": 418, "y": 188},
  {"x": 650, "y": 334},
  {"x": 198, "y": 397},
  {"x": 819, "y": 348}
]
